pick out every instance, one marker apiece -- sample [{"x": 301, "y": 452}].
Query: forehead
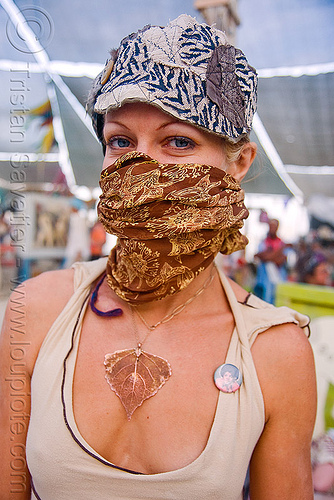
[
  {"x": 140, "y": 109},
  {"x": 147, "y": 116},
  {"x": 321, "y": 267}
]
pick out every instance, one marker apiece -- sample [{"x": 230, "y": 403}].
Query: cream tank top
[{"x": 64, "y": 466}]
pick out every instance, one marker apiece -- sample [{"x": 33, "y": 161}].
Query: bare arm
[
  {"x": 14, "y": 400},
  {"x": 270, "y": 255},
  {"x": 281, "y": 467},
  {"x": 30, "y": 312}
]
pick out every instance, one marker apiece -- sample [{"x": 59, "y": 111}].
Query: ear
[{"x": 240, "y": 167}]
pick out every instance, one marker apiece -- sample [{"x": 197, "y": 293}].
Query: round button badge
[{"x": 227, "y": 378}]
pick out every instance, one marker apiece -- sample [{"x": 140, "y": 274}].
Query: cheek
[
  {"x": 106, "y": 162},
  {"x": 230, "y": 169},
  {"x": 217, "y": 159}
]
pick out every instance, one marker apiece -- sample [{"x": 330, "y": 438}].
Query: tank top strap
[
  {"x": 87, "y": 272},
  {"x": 254, "y": 316}
]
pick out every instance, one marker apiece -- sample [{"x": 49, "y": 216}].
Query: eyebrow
[
  {"x": 176, "y": 122},
  {"x": 161, "y": 127},
  {"x": 115, "y": 122}
]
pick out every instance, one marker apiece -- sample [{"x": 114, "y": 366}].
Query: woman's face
[
  {"x": 147, "y": 129},
  {"x": 321, "y": 275},
  {"x": 227, "y": 377}
]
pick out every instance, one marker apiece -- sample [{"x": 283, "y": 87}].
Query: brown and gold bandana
[{"x": 170, "y": 220}]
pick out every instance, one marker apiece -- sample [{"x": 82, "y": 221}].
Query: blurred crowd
[{"x": 309, "y": 261}]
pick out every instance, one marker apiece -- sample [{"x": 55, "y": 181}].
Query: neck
[{"x": 155, "y": 310}]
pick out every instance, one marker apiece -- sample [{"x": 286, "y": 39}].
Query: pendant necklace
[{"x": 136, "y": 375}]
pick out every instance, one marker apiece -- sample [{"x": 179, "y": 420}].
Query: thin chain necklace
[
  {"x": 178, "y": 309},
  {"x": 136, "y": 375}
]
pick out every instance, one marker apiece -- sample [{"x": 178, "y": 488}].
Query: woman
[
  {"x": 228, "y": 378},
  {"x": 121, "y": 352},
  {"x": 314, "y": 269}
]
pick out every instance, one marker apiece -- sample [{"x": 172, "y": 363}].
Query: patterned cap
[{"x": 188, "y": 70}]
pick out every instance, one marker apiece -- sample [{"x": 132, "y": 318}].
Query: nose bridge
[{"x": 146, "y": 145}]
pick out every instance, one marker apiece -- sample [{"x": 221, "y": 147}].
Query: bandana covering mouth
[{"x": 171, "y": 221}]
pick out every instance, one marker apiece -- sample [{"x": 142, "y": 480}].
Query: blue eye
[
  {"x": 182, "y": 143},
  {"x": 118, "y": 142}
]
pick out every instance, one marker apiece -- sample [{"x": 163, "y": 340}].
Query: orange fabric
[{"x": 97, "y": 239}]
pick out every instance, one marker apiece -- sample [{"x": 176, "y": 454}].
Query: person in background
[
  {"x": 78, "y": 244},
  {"x": 97, "y": 240},
  {"x": 314, "y": 269},
  {"x": 271, "y": 268}
]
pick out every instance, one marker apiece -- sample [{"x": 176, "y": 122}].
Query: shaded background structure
[{"x": 288, "y": 41}]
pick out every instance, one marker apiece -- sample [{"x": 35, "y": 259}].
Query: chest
[{"x": 170, "y": 429}]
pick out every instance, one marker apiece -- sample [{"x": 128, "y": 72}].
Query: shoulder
[
  {"x": 281, "y": 351},
  {"x": 47, "y": 294},
  {"x": 260, "y": 316},
  {"x": 49, "y": 291},
  {"x": 284, "y": 361},
  {"x": 33, "y": 307},
  {"x": 283, "y": 343}
]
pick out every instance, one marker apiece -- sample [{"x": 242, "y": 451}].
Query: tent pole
[{"x": 42, "y": 58}]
